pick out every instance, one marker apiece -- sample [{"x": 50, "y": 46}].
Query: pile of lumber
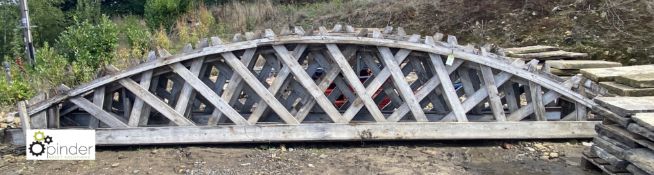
[
  {"x": 633, "y": 81},
  {"x": 542, "y": 53},
  {"x": 625, "y": 140}
]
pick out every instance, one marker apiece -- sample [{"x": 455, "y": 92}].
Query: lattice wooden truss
[{"x": 342, "y": 84}]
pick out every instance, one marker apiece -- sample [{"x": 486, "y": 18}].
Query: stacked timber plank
[
  {"x": 625, "y": 140},
  {"x": 542, "y": 53},
  {"x": 573, "y": 67},
  {"x": 624, "y": 81}
]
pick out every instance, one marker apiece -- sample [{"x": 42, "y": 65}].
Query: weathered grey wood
[
  {"x": 641, "y": 158},
  {"x": 535, "y": 92},
  {"x": 530, "y": 49},
  {"x": 306, "y": 81},
  {"x": 493, "y": 94},
  {"x": 635, "y": 170},
  {"x": 635, "y": 128},
  {"x": 185, "y": 95},
  {"x": 610, "y": 147},
  {"x": 335, "y": 132},
  {"x": 442, "y": 50},
  {"x": 98, "y": 99},
  {"x": 104, "y": 116},
  {"x": 389, "y": 92},
  {"x": 625, "y": 90},
  {"x": 627, "y": 106},
  {"x": 353, "y": 80},
  {"x": 580, "y": 64},
  {"x": 426, "y": 89},
  {"x": 126, "y": 103},
  {"x": 261, "y": 90},
  {"x": 448, "y": 89},
  {"x": 328, "y": 78},
  {"x": 547, "y": 98},
  {"x": 155, "y": 102},
  {"x": 24, "y": 118},
  {"x": 276, "y": 85},
  {"x": 644, "y": 119},
  {"x": 645, "y": 80},
  {"x": 377, "y": 82},
  {"x": 614, "y": 161},
  {"x": 609, "y": 74},
  {"x": 139, "y": 115},
  {"x": 234, "y": 87},
  {"x": 511, "y": 97},
  {"x": 401, "y": 85},
  {"x": 208, "y": 93}
]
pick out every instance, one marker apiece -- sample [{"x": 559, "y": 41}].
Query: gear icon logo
[
  {"x": 47, "y": 140},
  {"x": 39, "y": 136},
  {"x": 37, "y": 148}
]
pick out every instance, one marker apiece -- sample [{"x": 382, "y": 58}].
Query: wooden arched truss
[{"x": 341, "y": 84}]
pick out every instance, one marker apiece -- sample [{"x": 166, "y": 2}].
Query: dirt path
[{"x": 451, "y": 157}]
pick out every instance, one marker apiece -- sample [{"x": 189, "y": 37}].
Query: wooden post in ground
[{"x": 24, "y": 117}]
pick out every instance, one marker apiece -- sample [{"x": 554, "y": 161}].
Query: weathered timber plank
[
  {"x": 353, "y": 80},
  {"x": 493, "y": 94},
  {"x": 185, "y": 94},
  {"x": 627, "y": 106},
  {"x": 208, "y": 93},
  {"x": 535, "y": 92},
  {"x": 625, "y": 90},
  {"x": 609, "y": 74},
  {"x": 155, "y": 102},
  {"x": 581, "y": 64},
  {"x": 305, "y": 80},
  {"x": 644, "y": 119},
  {"x": 451, "y": 97},
  {"x": 426, "y": 89},
  {"x": 233, "y": 89},
  {"x": 641, "y": 158},
  {"x": 635, "y": 128},
  {"x": 261, "y": 90},
  {"x": 530, "y": 49},
  {"x": 104, "y": 116},
  {"x": 335, "y": 132},
  {"x": 276, "y": 85},
  {"x": 98, "y": 99},
  {"x": 401, "y": 85},
  {"x": 645, "y": 80},
  {"x": 547, "y": 98},
  {"x": 550, "y": 55}
]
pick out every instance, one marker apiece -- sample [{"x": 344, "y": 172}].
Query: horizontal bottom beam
[{"x": 336, "y": 132}]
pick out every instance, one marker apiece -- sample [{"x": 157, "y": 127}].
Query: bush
[
  {"x": 88, "y": 46},
  {"x": 161, "y": 40},
  {"x": 52, "y": 68},
  {"x": 138, "y": 37},
  {"x": 163, "y": 13},
  {"x": 19, "y": 89}
]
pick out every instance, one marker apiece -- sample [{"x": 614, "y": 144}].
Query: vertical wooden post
[{"x": 24, "y": 117}]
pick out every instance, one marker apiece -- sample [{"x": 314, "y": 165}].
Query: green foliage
[
  {"x": 18, "y": 89},
  {"x": 51, "y": 68},
  {"x": 89, "y": 47},
  {"x": 137, "y": 35},
  {"x": 160, "y": 13},
  {"x": 94, "y": 44},
  {"x": 88, "y": 10}
]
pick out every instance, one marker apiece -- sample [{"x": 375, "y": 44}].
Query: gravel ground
[{"x": 414, "y": 157}]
